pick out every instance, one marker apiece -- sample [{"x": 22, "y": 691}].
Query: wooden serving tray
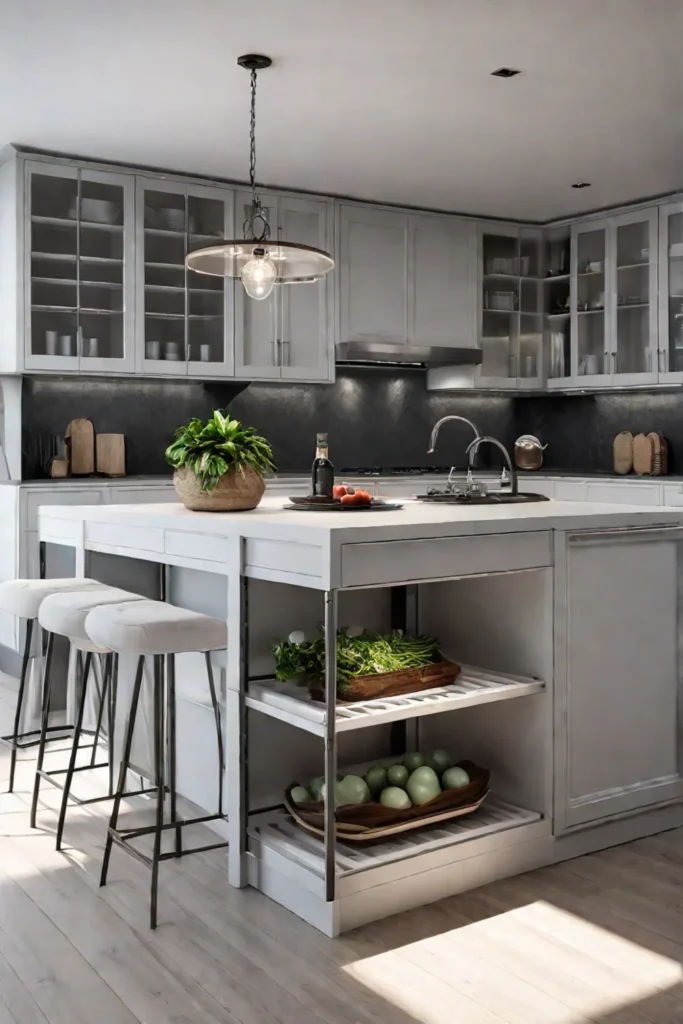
[
  {"x": 393, "y": 684},
  {"x": 368, "y": 823}
]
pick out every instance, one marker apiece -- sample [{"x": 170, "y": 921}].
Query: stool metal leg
[
  {"x": 20, "y": 702},
  {"x": 219, "y": 729},
  {"x": 103, "y": 695},
  {"x": 45, "y": 714},
  {"x": 74, "y": 748},
  {"x": 111, "y": 718},
  {"x": 123, "y": 770},
  {"x": 171, "y": 739},
  {"x": 159, "y": 760}
]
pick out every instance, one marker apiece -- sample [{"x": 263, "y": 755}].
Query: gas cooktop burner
[{"x": 396, "y": 470}]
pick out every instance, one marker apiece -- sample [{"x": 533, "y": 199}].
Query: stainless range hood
[{"x": 392, "y": 353}]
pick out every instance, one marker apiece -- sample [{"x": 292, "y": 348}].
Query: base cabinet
[{"x": 617, "y": 706}]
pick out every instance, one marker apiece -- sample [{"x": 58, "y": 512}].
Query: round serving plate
[{"x": 337, "y": 506}]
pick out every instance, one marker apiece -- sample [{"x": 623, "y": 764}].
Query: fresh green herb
[
  {"x": 364, "y": 655},
  {"x": 211, "y": 449}
]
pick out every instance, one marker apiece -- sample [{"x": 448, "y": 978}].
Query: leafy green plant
[
  {"x": 363, "y": 655},
  {"x": 213, "y": 448}
]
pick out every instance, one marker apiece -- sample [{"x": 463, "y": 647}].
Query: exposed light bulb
[{"x": 259, "y": 276}]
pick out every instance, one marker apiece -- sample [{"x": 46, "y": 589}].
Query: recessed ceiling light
[
  {"x": 581, "y": 184},
  {"x": 506, "y": 72}
]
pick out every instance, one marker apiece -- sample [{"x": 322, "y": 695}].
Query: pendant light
[{"x": 260, "y": 262}]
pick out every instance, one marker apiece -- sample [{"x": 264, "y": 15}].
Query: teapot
[{"x": 529, "y": 452}]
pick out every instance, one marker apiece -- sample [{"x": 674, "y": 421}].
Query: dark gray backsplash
[
  {"x": 580, "y": 429},
  {"x": 374, "y": 417}
]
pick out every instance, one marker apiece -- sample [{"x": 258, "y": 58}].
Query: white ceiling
[{"x": 389, "y": 100}]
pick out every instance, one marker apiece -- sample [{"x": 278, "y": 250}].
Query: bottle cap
[{"x": 321, "y": 441}]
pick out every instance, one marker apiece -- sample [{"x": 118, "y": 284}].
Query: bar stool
[
  {"x": 23, "y": 599},
  {"x": 162, "y": 631},
  {"x": 65, "y": 615}
]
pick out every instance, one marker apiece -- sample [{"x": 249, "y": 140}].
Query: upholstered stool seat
[
  {"x": 153, "y": 627},
  {"x": 65, "y": 614},
  {"x": 161, "y": 630},
  {"x": 23, "y": 598}
]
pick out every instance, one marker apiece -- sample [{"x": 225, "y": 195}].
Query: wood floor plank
[{"x": 16, "y": 998}]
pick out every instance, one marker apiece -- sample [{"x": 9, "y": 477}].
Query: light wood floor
[{"x": 597, "y": 939}]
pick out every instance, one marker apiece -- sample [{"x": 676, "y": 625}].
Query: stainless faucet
[
  {"x": 432, "y": 446},
  {"x": 474, "y": 445},
  {"x": 438, "y": 426}
]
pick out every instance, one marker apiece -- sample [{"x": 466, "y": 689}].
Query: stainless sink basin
[{"x": 522, "y": 498}]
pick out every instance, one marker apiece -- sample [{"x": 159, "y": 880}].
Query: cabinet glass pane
[
  {"x": 498, "y": 344},
  {"x": 675, "y": 292},
  {"x": 530, "y": 340},
  {"x": 557, "y": 303},
  {"x": 206, "y": 295},
  {"x": 54, "y": 265},
  {"x": 100, "y": 270},
  {"x": 633, "y": 298},
  {"x": 590, "y": 303},
  {"x": 165, "y": 234}
]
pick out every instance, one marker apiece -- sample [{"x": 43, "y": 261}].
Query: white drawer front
[
  {"x": 65, "y": 496},
  {"x": 631, "y": 492},
  {"x": 402, "y": 561}
]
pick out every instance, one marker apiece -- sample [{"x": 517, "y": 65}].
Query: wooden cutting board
[
  {"x": 111, "y": 454},
  {"x": 80, "y": 446},
  {"x": 622, "y": 449},
  {"x": 643, "y": 455},
  {"x": 660, "y": 459}
]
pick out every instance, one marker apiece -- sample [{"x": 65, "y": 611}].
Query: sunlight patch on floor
[{"x": 537, "y": 959}]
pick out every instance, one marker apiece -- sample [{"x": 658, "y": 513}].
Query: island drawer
[{"x": 433, "y": 558}]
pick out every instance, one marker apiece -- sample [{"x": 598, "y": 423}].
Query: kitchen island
[{"x": 564, "y": 615}]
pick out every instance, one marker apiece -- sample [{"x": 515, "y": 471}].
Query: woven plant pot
[{"x": 236, "y": 491}]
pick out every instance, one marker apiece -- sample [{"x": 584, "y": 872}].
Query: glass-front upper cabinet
[
  {"x": 511, "y": 313},
  {"x": 670, "y": 350},
  {"x": 633, "y": 290},
  {"x": 184, "y": 318},
  {"x": 79, "y": 269},
  {"x": 591, "y": 354}
]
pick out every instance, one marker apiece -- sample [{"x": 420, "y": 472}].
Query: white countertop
[{"x": 415, "y": 519}]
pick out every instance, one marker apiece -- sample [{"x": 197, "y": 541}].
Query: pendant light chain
[
  {"x": 256, "y": 225},
  {"x": 252, "y": 135}
]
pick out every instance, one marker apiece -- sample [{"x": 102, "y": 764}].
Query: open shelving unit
[{"x": 497, "y": 718}]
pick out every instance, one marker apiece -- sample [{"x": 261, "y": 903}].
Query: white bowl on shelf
[{"x": 99, "y": 211}]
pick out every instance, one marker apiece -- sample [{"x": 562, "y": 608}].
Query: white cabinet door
[
  {"x": 591, "y": 255},
  {"x": 373, "y": 275},
  {"x": 184, "y": 319},
  {"x": 617, "y": 704},
  {"x": 632, "y": 293},
  {"x": 79, "y": 273},
  {"x": 670, "y": 346},
  {"x": 306, "y": 343},
  {"x": 443, "y": 272}
]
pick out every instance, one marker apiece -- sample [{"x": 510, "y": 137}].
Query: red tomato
[
  {"x": 349, "y": 499},
  {"x": 363, "y": 498},
  {"x": 339, "y": 490}
]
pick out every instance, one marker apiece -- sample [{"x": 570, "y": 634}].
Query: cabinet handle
[
  {"x": 648, "y": 359},
  {"x": 614, "y": 362},
  {"x": 605, "y": 362},
  {"x": 661, "y": 365},
  {"x": 275, "y": 358}
]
